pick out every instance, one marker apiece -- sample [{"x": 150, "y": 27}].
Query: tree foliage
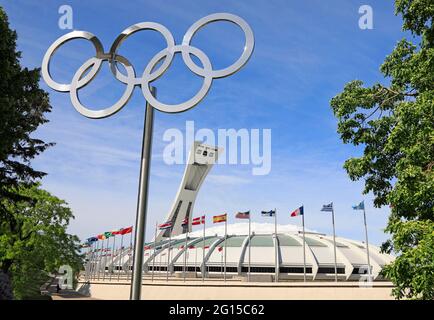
[
  {"x": 394, "y": 124},
  {"x": 36, "y": 243},
  {"x": 22, "y": 109},
  {"x": 33, "y": 237}
]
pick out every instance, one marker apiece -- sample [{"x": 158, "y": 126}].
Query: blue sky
[{"x": 305, "y": 52}]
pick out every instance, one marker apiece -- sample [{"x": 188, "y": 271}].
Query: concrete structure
[
  {"x": 212, "y": 290},
  {"x": 351, "y": 255},
  {"x": 200, "y": 161}
]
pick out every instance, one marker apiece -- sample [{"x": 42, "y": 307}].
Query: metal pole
[
  {"x": 226, "y": 241},
  {"x": 86, "y": 269},
  {"x": 185, "y": 254},
  {"x": 304, "y": 247},
  {"x": 95, "y": 261},
  {"x": 195, "y": 261},
  {"x": 276, "y": 248},
  {"x": 113, "y": 258},
  {"x": 142, "y": 203},
  {"x": 153, "y": 251},
  {"x": 105, "y": 258},
  {"x": 334, "y": 243},
  {"x": 250, "y": 240},
  {"x": 121, "y": 256},
  {"x": 203, "y": 252},
  {"x": 367, "y": 244},
  {"x": 168, "y": 255},
  {"x": 129, "y": 261},
  {"x": 100, "y": 259}
]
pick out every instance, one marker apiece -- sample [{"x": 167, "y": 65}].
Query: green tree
[
  {"x": 35, "y": 242},
  {"x": 22, "y": 108},
  {"x": 33, "y": 238},
  {"x": 394, "y": 124}
]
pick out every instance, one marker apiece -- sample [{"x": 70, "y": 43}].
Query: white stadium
[
  {"x": 179, "y": 252},
  {"x": 350, "y": 255}
]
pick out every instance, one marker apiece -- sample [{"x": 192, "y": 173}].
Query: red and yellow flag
[{"x": 220, "y": 218}]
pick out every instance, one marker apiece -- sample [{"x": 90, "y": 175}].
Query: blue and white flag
[
  {"x": 270, "y": 213},
  {"x": 327, "y": 207},
  {"x": 360, "y": 206}
]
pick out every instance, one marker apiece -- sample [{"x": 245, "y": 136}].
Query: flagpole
[
  {"x": 100, "y": 258},
  {"x": 120, "y": 256},
  {"x": 334, "y": 242},
  {"x": 89, "y": 261},
  {"x": 92, "y": 266},
  {"x": 87, "y": 270},
  {"x": 113, "y": 256},
  {"x": 105, "y": 259},
  {"x": 367, "y": 243},
  {"x": 250, "y": 240},
  {"x": 130, "y": 265},
  {"x": 226, "y": 238},
  {"x": 168, "y": 255},
  {"x": 276, "y": 248},
  {"x": 203, "y": 251},
  {"x": 195, "y": 261},
  {"x": 304, "y": 245},
  {"x": 185, "y": 254},
  {"x": 153, "y": 252},
  {"x": 95, "y": 260}
]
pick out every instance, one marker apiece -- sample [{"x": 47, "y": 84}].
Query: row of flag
[
  {"x": 108, "y": 234},
  {"x": 216, "y": 219},
  {"x": 246, "y": 215}
]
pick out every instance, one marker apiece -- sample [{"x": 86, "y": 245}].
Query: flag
[
  {"x": 270, "y": 213},
  {"x": 184, "y": 222},
  {"x": 243, "y": 215},
  {"x": 220, "y": 218},
  {"x": 126, "y": 230},
  {"x": 198, "y": 220},
  {"x": 166, "y": 225},
  {"x": 92, "y": 239},
  {"x": 297, "y": 212},
  {"x": 191, "y": 247},
  {"x": 108, "y": 234},
  {"x": 101, "y": 237},
  {"x": 360, "y": 206},
  {"x": 327, "y": 207},
  {"x": 116, "y": 232}
]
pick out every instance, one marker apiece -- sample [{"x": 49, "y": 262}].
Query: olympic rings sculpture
[{"x": 93, "y": 65}]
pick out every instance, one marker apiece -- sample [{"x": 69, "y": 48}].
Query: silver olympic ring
[{"x": 86, "y": 73}]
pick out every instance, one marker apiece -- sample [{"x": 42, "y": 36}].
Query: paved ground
[{"x": 70, "y": 295}]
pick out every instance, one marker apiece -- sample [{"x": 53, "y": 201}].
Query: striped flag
[
  {"x": 198, "y": 220},
  {"x": 184, "y": 222},
  {"x": 220, "y": 218},
  {"x": 243, "y": 215},
  {"x": 327, "y": 207},
  {"x": 297, "y": 212},
  {"x": 166, "y": 225},
  {"x": 360, "y": 206},
  {"x": 126, "y": 230},
  {"x": 270, "y": 213}
]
